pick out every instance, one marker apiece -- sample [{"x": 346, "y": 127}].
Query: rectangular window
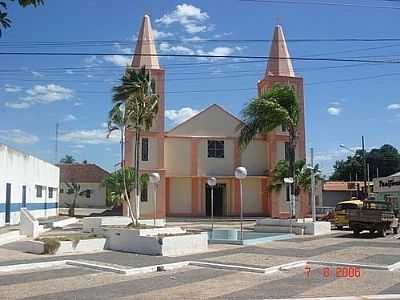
[
  {"x": 39, "y": 191},
  {"x": 24, "y": 196},
  {"x": 145, "y": 149},
  {"x": 143, "y": 194},
  {"x": 287, "y": 151},
  {"x": 50, "y": 193},
  {"x": 216, "y": 149},
  {"x": 284, "y": 127}
]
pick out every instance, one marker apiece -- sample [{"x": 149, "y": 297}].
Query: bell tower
[
  {"x": 280, "y": 72},
  {"x": 152, "y": 141}
]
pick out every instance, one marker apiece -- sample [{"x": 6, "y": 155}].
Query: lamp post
[
  {"x": 154, "y": 179},
  {"x": 364, "y": 161},
  {"x": 313, "y": 175},
  {"x": 212, "y": 181},
  {"x": 241, "y": 173}
]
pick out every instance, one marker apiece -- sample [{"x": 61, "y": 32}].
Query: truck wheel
[
  {"x": 382, "y": 232},
  {"x": 395, "y": 230},
  {"x": 356, "y": 232},
  {"x": 338, "y": 227},
  {"x": 371, "y": 231}
]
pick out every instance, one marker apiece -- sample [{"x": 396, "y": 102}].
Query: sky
[{"x": 343, "y": 100}]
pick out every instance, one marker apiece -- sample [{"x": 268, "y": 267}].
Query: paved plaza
[{"x": 194, "y": 282}]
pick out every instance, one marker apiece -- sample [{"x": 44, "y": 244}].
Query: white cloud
[
  {"x": 167, "y": 48},
  {"x": 78, "y": 146},
  {"x": 42, "y": 94},
  {"x": 77, "y": 103},
  {"x": 104, "y": 125},
  {"x": 92, "y": 61},
  {"x": 218, "y": 51},
  {"x": 69, "y": 72},
  {"x": 37, "y": 74},
  {"x": 189, "y": 16},
  {"x": 18, "y": 136},
  {"x": 69, "y": 118},
  {"x": 118, "y": 60},
  {"x": 161, "y": 34},
  {"x": 393, "y": 106},
  {"x": 334, "y": 111},
  {"x": 9, "y": 88},
  {"x": 178, "y": 116},
  {"x": 18, "y": 104},
  {"x": 92, "y": 136}
]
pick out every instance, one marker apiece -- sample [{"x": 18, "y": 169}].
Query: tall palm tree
[
  {"x": 117, "y": 120},
  {"x": 274, "y": 108},
  {"x": 141, "y": 108}
]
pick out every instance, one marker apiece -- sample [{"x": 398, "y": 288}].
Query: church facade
[{"x": 207, "y": 145}]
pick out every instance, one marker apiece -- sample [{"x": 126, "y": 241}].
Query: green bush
[{"x": 51, "y": 246}]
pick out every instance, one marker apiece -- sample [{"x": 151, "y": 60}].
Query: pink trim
[
  {"x": 167, "y": 195},
  {"x": 194, "y": 146}
]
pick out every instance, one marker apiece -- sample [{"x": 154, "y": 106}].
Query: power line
[
  {"x": 201, "y": 56},
  {"x": 321, "y": 3}
]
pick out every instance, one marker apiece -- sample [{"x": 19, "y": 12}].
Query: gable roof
[
  {"x": 203, "y": 112},
  {"x": 89, "y": 173}
]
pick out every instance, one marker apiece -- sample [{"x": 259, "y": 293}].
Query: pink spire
[
  {"x": 279, "y": 63},
  {"x": 146, "y": 45}
]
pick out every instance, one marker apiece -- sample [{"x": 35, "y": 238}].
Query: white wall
[
  {"x": 252, "y": 202},
  {"x": 254, "y": 158},
  {"x": 97, "y": 195},
  {"x": 216, "y": 166},
  {"x": 180, "y": 195},
  {"x": 20, "y": 169},
  {"x": 177, "y": 156}
]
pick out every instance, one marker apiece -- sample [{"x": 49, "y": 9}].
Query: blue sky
[{"x": 37, "y": 92}]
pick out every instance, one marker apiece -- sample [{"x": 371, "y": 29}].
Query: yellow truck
[{"x": 341, "y": 212}]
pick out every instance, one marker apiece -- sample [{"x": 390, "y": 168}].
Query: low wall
[
  {"x": 298, "y": 226},
  {"x": 89, "y": 245}
]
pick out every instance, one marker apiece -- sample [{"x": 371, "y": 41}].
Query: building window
[
  {"x": 143, "y": 194},
  {"x": 287, "y": 151},
  {"x": 50, "y": 193},
  {"x": 39, "y": 191},
  {"x": 24, "y": 196},
  {"x": 284, "y": 127},
  {"x": 145, "y": 149},
  {"x": 153, "y": 87},
  {"x": 87, "y": 193},
  {"x": 216, "y": 149}
]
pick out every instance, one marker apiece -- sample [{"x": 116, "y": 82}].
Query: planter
[
  {"x": 130, "y": 240},
  {"x": 89, "y": 245}
]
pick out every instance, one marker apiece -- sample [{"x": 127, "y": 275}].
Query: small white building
[
  {"x": 90, "y": 178},
  {"x": 26, "y": 181}
]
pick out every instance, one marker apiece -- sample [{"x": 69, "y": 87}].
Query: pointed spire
[
  {"x": 145, "y": 45},
  {"x": 280, "y": 64}
]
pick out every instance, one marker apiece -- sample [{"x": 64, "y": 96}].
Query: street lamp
[
  {"x": 313, "y": 175},
  {"x": 364, "y": 161},
  {"x": 154, "y": 179},
  {"x": 241, "y": 173},
  {"x": 289, "y": 181},
  {"x": 212, "y": 181}
]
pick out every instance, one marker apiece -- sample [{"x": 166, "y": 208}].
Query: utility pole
[
  {"x": 364, "y": 164},
  {"x": 56, "y": 152},
  {"x": 313, "y": 212}
]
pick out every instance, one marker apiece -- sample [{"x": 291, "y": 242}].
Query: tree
[
  {"x": 68, "y": 159},
  {"x": 382, "y": 162},
  {"x": 302, "y": 176},
  {"x": 274, "y": 108},
  {"x": 141, "y": 108},
  {"x": 5, "y": 21},
  {"x": 118, "y": 182}
]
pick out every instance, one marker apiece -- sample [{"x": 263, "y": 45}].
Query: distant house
[
  {"x": 90, "y": 178},
  {"x": 337, "y": 191}
]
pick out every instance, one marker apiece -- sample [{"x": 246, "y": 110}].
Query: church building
[{"x": 207, "y": 145}]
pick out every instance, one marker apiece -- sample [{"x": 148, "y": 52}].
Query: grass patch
[{"x": 140, "y": 226}]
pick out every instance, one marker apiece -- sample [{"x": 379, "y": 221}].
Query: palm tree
[
  {"x": 68, "y": 159},
  {"x": 302, "y": 176},
  {"x": 141, "y": 107},
  {"x": 117, "y": 120},
  {"x": 274, "y": 108},
  {"x": 119, "y": 184},
  {"x": 5, "y": 22}
]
